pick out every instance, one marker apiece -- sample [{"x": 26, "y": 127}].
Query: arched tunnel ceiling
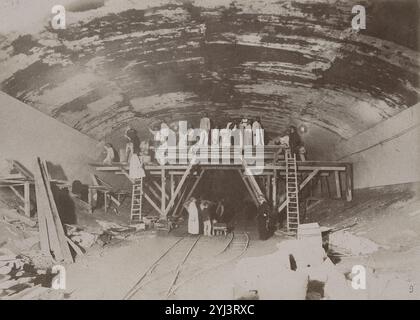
[{"x": 288, "y": 61}]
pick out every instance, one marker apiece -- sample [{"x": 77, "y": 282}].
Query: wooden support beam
[
  {"x": 337, "y": 184},
  {"x": 146, "y": 196},
  {"x": 283, "y": 205},
  {"x": 178, "y": 188},
  {"x": 172, "y": 182},
  {"x": 267, "y": 187},
  {"x": 152, "y": 191},
  {"x": 250, "y": 191},
  {"x": 90, "y": 200},
  {"x": 327, "y": 186},
  {"x": 349, "y": 182},
  {"x": 308, "y": 178},
  {"x": 17, "y": 193},
  {"x": 160, "y": 189},
  {"x": 27, "y": 199},
  {"x": 21, "y": 169},
  {"x": 180, "y": 199},
  {"x": 51, "y": 229},
  {"x": 274, "y": 193},
  {"x": 106, "y": 195},
  {"x": 163, "y": 190},
  {"x": 196, "y": 182}
]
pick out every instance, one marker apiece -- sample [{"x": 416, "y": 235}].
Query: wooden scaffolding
[{"x": 166, "y": 187}]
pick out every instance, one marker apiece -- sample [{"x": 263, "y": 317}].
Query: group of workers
[
  {"x": 203, "y": 214},
  {"x": 244, "y": 132}
]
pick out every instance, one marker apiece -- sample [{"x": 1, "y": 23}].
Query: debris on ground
[{"x": 352, "y": 244}]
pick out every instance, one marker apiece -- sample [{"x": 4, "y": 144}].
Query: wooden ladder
[
  {"x": 292, "y": 191},
  {"x": 136, "y": 201}
]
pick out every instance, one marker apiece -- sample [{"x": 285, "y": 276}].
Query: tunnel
[{"x": 352, "y": 93}]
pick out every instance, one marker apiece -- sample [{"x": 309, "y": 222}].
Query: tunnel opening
[{"x": 240, "y": 210}]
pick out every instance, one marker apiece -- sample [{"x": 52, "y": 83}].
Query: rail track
[
  {"x": 161, "y": 280},
  {"x": 234, "y": 249}
]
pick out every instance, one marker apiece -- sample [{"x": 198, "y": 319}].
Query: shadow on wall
[
  {"x": 56, "y": 171},
  {"x": 65, "y": 205}
]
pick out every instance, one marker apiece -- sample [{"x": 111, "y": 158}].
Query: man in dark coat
[
  {"x": 263, "y": 219},
  {"x": 294, "y": 140}
]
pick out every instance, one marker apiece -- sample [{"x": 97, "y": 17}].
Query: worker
[
  {"x": 133, "y": 142},
  {"x": 258, "y": 132},
  {"x": 294, "y": 140},
  {"x": 282, "y": 142},
  {"x": 263, "y": 218},
  {"x": 302, "y": 153},
  {"x": 220, "y": 210},
  {"x": 206, "y": 217},
  {"x": 136, "y": 170},
  {"x": 205, "y": 124},
  {"x": 247, "y": 133},
  {"x": 193, "y": 218},
  {"x": 225, "y": 135},
  {"x": 111, "y": 154},
  {"x": 215, "y": 136}
]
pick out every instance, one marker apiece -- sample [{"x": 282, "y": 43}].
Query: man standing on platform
[
  {"x": 205, "y": 124},
  {"x": 133, "y": 142}
]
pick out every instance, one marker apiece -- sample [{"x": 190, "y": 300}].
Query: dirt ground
[
  {"x": 389, "y": 217},
  {"x": 379, "y": 229}
]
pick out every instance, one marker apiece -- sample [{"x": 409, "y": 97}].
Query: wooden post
[
  {"x": 327, "y": 183},
  {"x": 349, "y": 182},
  {"x": 267, "y": 187},
  {"x": 163, "y": 198},
  {"x": 90, "y": 200},
  {"x": 27, "y": 202},
  {"x": 321, "y": 186},
  {"x": 172, "y": 185},
  {"x": 274, "y": 193},
  {"x": 106, "y": 201},
  {"x": 337, "y": 184}
]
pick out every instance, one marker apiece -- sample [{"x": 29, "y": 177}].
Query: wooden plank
[
  {"x": 14, "y": 215},
  {"x": 250, "y": 191},
  {"x": 27, "y": 199},
  {"x": 146, "y": 196},
  {"x": 17, "y": 193},
  {"x": 20, "y": 168},
  {"x": 75, "y": 247},
  {"x": 327, "y": 184},
  {"x": 56, "y": 226},
  {"x": 160, "y": 189},
  {"x": 180, "y": 199},
  {"x": 349, "y": 182},
  {"x": 172, "y": 182},
  {"x": 98, "y": 182},
  {"x": 283, "y": 205},
  {"x": 308, "y": 178},
  {"x": 13, "y": 176},
  {"x": 106, "y": 197},
  {"x": 42, "y": 208},
  {"x": 178, "y": 188},
  {"x": 163, "y": 190},
  {"x": 337, "y": 184},
  {"x": 196, "y": 182},
  {"x": 274, "y": 193}
]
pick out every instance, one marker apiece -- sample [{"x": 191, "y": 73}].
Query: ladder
[
  {"x": 292, "y": 191},
  {"x": 136, "y": 201}
]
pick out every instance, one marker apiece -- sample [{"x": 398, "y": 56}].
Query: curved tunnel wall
[
  {"x": 388, "y": 153},
  {"x": 26, "y": 133},
  {"x": 288, "y": 61}
]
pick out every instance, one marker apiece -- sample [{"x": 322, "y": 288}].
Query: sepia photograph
[{"x": 208, "y": 154}]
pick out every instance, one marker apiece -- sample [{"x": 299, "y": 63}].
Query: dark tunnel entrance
[{"x": 227, "y": 185}]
